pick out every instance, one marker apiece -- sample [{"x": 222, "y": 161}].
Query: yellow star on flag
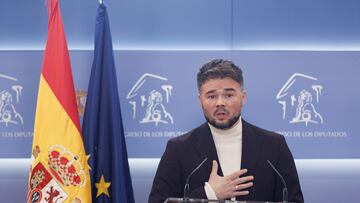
[{"x": 102, "y": 187}]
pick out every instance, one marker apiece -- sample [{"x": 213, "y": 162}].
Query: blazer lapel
[
  {"x": 204, "y": 144},
  {"x": 251, "y": 147}
]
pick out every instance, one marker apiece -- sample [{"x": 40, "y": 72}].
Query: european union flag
[{"x": 102, "y": 124}]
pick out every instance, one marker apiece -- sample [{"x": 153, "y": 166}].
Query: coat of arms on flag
[{"x": 47, "y": 179}]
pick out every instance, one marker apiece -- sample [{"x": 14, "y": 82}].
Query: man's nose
[{"x": 220, "y": 101}]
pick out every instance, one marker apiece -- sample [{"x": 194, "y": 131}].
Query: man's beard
[{"x": 223, "y": 126}]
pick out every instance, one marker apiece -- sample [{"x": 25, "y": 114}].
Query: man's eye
[
  {"x": 211, "y": 97},
  {"x": 229, "y": 95}
]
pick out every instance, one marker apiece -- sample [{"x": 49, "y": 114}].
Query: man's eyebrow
[
  {"x": 210, "y": 91},
  {"x": 229, "y": 89},
  {"x": 226, "y": 90}
]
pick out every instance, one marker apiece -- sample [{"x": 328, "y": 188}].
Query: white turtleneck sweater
[{"x": 228, "y": 145}]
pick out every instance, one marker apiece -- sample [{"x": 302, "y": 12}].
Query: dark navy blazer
[{"x": 184, "y": 153}]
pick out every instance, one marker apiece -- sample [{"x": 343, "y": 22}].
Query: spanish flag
[{"x": 59, "y": 170}]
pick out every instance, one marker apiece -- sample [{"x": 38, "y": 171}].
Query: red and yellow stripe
[{"x": 57, "y": 120}]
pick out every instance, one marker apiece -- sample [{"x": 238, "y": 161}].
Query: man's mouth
[{"x": 221, "y": 114}]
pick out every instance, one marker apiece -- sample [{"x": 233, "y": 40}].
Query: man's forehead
[
  {"x": 219, "y": 86},
  {"x": 220, "y": 83}
]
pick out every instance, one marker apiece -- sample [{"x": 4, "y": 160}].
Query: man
[{"x": 236, "y": 151}]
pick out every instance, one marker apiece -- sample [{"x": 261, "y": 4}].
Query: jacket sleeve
[
  {"x": 168, "y": 178},
  {"x": 198, "y": 193}
]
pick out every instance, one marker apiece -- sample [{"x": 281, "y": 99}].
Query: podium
[{"x": 190, "y": 200}]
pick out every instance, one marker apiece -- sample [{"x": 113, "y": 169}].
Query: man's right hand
[{"x": 231, "y": 185}]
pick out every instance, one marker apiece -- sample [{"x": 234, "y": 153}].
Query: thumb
[{"x": 214, "y": 168}]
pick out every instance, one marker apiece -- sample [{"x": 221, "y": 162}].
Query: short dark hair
[{"x": 219, "y": 69}]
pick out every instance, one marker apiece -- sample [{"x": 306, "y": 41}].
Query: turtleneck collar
[{"x": 234, "y": 131}]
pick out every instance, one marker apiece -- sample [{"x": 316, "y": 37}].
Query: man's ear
[
  {"x": 199, "y": 99},
  {"x": 244, "y": 97}
]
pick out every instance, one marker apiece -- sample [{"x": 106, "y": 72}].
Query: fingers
[
  {"x": 243, "y": 182},
  {"x": 237, "y": 174},
  {"x": 214, "y": 168},
  {"x": 241, "y": 193},
  {"x": 245, "y": 179},
  {"x": 231, "y": 185},
  {"x": 243, "y": 186}
]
